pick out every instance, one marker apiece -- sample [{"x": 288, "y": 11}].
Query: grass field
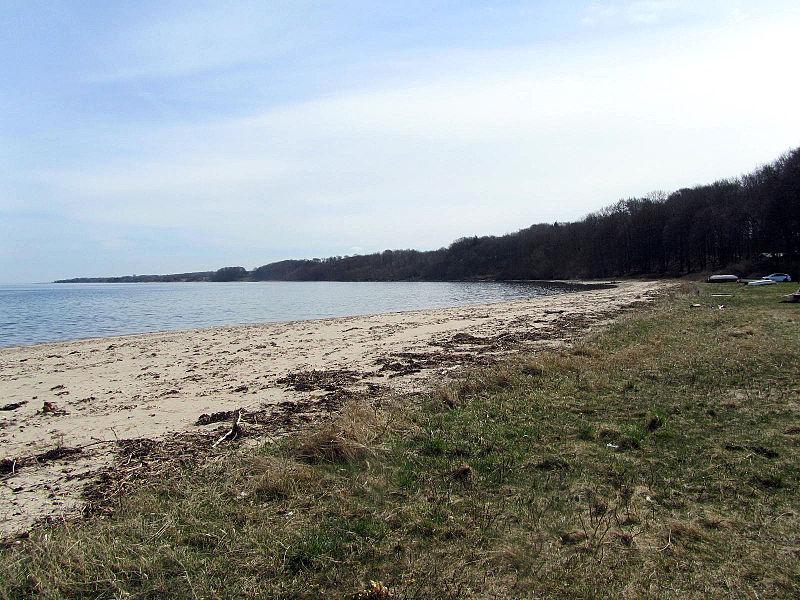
[{"x": 656, "y": 459}]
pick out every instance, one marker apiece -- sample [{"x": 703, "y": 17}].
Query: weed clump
[
  {"x": 348, "y": 438},
  {"x": 655, "y": 421},
  {"x": 587, "y": 432},
  {"x": 449, "y": 395},
  {"x": 276, "y": 479},
  {"x": 464, "y": 473}
]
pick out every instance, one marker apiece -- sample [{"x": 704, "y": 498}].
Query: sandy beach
[{"x": 72, "y": 410}]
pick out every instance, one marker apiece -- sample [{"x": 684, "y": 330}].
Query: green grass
[{"x": 657, "y": 459}]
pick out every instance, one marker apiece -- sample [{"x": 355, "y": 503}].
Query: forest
[{"x": 744, "y": 225}]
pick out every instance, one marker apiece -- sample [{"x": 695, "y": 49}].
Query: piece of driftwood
[{"x": 233, "y": 432}]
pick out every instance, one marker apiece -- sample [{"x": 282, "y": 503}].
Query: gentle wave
[{"x": 32, "y": 314}]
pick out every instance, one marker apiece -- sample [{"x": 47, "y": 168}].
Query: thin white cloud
[
  {"x": 202, "y": 174},
  {"x": 599, "y": 12},
  {"x": 201, "y": 37},
  {"x": 649, "y": 11},
  {"x": 653, "y": 12},
  {"x": 493, "y": 145}
]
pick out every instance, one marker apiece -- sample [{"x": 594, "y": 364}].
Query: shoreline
[
  {"x": 108, "y": 280},
  {"x": 587, "y": 285},
  {"x": 92, "y": 396},
  {"x": 126, "y": 329}
]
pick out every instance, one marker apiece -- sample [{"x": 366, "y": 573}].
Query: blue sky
[{"x": 154, "y": 137}]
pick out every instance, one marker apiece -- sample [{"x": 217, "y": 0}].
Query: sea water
[{"x": 37, "y": 313}]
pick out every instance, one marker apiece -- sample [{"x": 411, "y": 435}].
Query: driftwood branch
[{"x": 233, "y": 432}]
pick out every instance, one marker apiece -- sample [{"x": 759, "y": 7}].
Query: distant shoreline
[{"x": 583, "y": 283}]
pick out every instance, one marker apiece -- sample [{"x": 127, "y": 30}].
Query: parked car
[
  {"x": 778, "y": 277},
  {"x": 723, "y": 279}
]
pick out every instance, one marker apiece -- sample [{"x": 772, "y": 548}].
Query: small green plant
[{"x": 587, "y": 432}]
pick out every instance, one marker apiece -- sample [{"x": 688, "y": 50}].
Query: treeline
[
  {"x": 744, "y": 225},
  {"x": 182, "y": 277}
]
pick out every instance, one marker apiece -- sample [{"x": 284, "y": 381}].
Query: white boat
[
  {"x": 723, "y": 279},
  {"x": 761, "y": 282}
]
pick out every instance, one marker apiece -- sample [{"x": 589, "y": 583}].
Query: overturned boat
[{"x": 723, "y": 279}]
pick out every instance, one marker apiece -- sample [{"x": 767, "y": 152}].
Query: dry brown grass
[
  {"x": 279, "y": 478},
  {"x": 687, "y": 288},
  {"x": 450, "y": 395},
  {"x": 350, "y": 436}
]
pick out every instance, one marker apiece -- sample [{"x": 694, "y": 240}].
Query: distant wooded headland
[{"x": 744, "y": 225}]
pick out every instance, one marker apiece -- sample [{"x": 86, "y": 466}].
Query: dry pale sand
[{"x": 103, "y": 392}]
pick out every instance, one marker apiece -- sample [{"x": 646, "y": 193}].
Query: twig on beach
[{"x": 234, "y": 431}]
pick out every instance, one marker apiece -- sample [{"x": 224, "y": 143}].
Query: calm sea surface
[{"x": 48, "y": 312}]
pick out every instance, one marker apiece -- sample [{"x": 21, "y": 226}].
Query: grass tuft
[{"x": 348, "y": 438}]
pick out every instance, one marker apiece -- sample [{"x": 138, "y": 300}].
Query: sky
[{"x": 161, "y": 136}]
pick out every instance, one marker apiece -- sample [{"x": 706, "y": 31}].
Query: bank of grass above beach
[{"x": 656, "y": 459}]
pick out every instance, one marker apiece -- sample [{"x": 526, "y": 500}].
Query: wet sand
[{"x": 70, "y": 411}]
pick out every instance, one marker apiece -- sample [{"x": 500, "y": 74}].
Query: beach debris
[
  {"x": 234, "y": 432},
  {"x": 408, "y": 363},
  {"x": 50, "y": 408},
  {"x": 376, "y": 590},
  {"x": 143, "y": 458},
  {"x": 11, "y": 465},
  {"x": 13, "y": 405},
  {"x": 377, "y": 389},
  {"x": 57, "y": 453},
  {"x": 330, "y": 380},
  {"x": 216, "y": 417},
  {"x": 695, "y": 305},
  {"x": 8, "y": 466},
  {"x": 138, "y": 459},
  {"x": 463, "y": 346},
  {"x": 466, "y": 338}
]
